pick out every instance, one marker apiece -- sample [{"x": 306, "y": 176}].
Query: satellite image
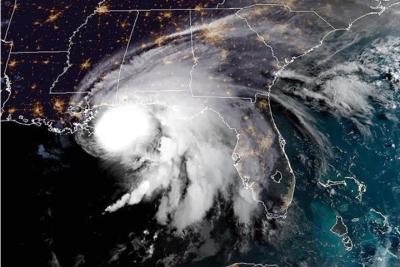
[{"x": 229, "y": 133}]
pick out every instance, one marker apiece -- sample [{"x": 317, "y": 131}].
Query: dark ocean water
[
  {"x": 54, "y": 193},
  {"x": 374, "y": 163},
  {"x": 56, "y": 206},
  {"x": 369, "y": 159}
]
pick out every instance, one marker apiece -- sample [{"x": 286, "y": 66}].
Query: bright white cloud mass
[
  {"x": 121, "y": 127},
  {"x": 184, "y": 151},
  {"x": 178, "y": 147}
]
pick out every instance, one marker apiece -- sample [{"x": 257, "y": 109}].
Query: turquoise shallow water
[
  {"x": 368, "y": 164},
  {"x": 352, "y": 171}
]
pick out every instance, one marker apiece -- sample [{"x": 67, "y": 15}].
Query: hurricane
[{"x": 234, "y": 134}]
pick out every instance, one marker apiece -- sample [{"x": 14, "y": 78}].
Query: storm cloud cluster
[
  {"x": 178, "y": 149},
  {"x": 181, "y": 119},
  {"x": 172, "y": 146},
  {"x": 186, "y": 156}
]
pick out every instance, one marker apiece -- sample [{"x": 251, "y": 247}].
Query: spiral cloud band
[{"x": 188, "y": 128}]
